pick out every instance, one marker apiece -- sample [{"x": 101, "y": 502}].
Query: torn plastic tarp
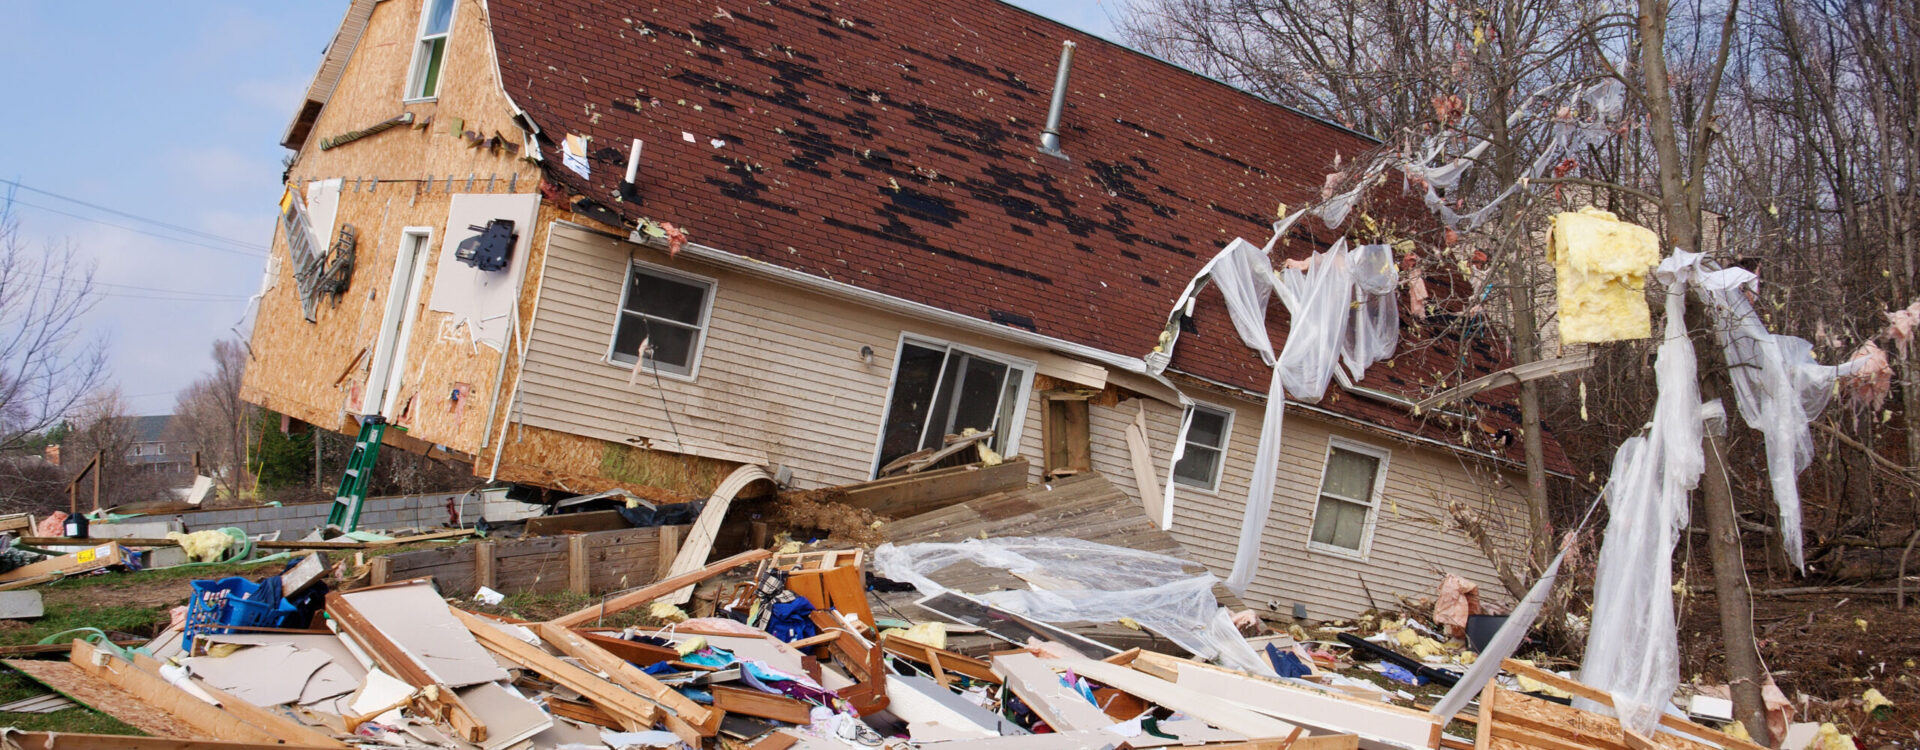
[
  {"x": 1108, "y": 583},
  {"x": 1633, "y": 652},
  {"x": 1778, "y": 386}
]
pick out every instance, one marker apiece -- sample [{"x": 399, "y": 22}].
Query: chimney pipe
[{"x": 1050, "y": 138}]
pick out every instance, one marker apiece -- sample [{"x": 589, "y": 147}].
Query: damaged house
[{"x": 586, "y": 245}]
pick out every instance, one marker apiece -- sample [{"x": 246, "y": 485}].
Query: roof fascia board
[{"x": 342, "y": 48}]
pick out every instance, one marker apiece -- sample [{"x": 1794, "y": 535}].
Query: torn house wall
[{"x": 313, "y": 371}]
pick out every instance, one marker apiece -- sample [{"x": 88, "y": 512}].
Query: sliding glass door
[{"x": 941, "y": 390}]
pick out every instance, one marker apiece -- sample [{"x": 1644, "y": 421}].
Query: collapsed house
[{"x": 587, "y": 249}]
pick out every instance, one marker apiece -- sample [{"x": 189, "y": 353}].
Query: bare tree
[
  {"x": 46, "y": 368},
  {"x": 210, "y": 417},
  {"x": 103, "y": 426}
]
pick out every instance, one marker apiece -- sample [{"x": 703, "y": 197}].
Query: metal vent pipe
[{"x": 1050, "y": 138}]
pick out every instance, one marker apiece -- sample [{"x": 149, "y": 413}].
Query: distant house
[
  {"x": 876, "y": 255},
  {"x": 152, "y": 446}
]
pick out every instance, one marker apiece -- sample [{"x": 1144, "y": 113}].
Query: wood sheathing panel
[
  {"x": 71, "y": 681},
  {"x": 1413, "y": 540},
  {"x": 317, "y": 371}
]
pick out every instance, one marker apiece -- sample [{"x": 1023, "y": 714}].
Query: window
[
  {"x": 159, "y": 449},
  {"x": 668, "y": 312},
  {"x": 1206, "y": 447},
  {"x": 941, "y": 390},
  {"x": 1349, "y": 492},
  {"x": 436, "y": 18}
]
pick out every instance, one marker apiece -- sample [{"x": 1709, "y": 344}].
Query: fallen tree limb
[{"x": 1851, "y": 590}]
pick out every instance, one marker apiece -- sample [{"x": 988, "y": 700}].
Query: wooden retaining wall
[{"x": 590, "y": 563}]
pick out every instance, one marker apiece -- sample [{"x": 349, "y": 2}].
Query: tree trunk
[
  {"x": 1682, "y": 187},
  {"x": 1744, "y": 675}
]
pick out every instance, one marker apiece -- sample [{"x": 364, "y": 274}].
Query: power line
[
  {"x": 139, "y": 231},
  {"x": 135, "y": 217},
  {"x": 185, "y": 292}
]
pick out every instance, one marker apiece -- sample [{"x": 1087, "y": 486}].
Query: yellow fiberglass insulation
[
  {"x": 1601, "y": 267},
  {"x": 203, "y": 546}
]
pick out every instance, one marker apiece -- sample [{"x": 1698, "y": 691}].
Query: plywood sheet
[{"x": 69, "y": 681}]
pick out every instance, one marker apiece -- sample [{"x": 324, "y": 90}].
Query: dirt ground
[{"x": 1818, "y": 648}]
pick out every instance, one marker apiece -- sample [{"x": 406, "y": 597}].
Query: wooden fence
[{"x": 588, "y": 563}]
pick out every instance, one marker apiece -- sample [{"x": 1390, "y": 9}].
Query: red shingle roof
[{"x": 893, "y": 146}]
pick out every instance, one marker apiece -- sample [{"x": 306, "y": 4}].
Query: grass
[
  {"x": 546, "y": 606},
  {"x": 134, "y": 603}
]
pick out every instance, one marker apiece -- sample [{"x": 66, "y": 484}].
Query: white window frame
[
  {"x": 1226, "y": 441},
  {"x": 1380, "y": 454},
  {"x": 706, "y": 318},
  {"x": 416, "y": 70},
  {"x": 1018, "y": 417}
]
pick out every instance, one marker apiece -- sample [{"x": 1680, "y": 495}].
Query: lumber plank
[
  {"x": 282, "y": 727},
  {"x": 72, "y": 741},
  {"x": 390, "y": 657},
  {"x": 41, "y": 541},
  {"x": 582, "y": 712},
  {"x": 946, "y": 660},
  {"x": 1211, "y": 709},
  {"x": 565, "y": 523},
  {"x": 576, "y": 564},
  {"x": 685, "y": 717},
  {"x": 1323, "y": 710},
  {"x": 1059, "y": 706},
  {"x": 68, "y": 680},
  {"x": 657, "y": 589},
  {"x": 913, "y": 494},
  {"x": 640, "y": 654},
  {"x": 633, "y": 712},
  {"x": 208, "y": 720},
  {"x": 483, "y": 564},
  {"x": 760, "y": 705},
  {"x": 1707, "y": 734}
]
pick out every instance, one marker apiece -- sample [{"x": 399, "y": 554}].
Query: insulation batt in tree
[{"x": 1600, "y": 264}]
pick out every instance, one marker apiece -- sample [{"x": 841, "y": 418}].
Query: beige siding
[
  {"x": 780, "y": 378},
  {"x": 1410, "y": 546},
  {"x": 781, "y": 381}
]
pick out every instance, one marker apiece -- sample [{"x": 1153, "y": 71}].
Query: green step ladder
[{"x": 345, "y": 516}]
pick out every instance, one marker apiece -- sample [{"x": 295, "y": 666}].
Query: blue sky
[{"x": 173, "y": 112}]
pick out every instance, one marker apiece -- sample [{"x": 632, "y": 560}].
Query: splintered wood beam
[
  {"x": 389, "y": 656},
  {"x": 685, "y": 716},
  {"x": 632, "y": 711},
  {"x": 1583, "y": 690},
  {"x": 235, "y": 722},
  {"x": 656, "y": 590},
  {"x": 1514, "y": 375},
  {"x": 70, "y": 741},
  {"x": 939, "y": 660}
]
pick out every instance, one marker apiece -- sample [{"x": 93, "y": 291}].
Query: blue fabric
[
  {"x": 1398, "y": 673},
  {"x": 717, "y": 658},
  {"x": 660, "y": 668},
  {"x": 1286, "y": 663},
  {"x": 789, "y": 622}
]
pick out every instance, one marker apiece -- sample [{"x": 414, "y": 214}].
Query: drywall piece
[
  {"x": 933, "y": 711},
  {"x": 73, "y": 741},
  {"x": 417, "y": 620},
  {"x": 201, "y": 490},
  {"x": 39, "y": 704},
  {"x": 341, "y": 654},
  {"x": 510, "y": 717},
  {"x": 1379, "y": 728},
  {"x": 699, "y": 540},
  {"x": 1800, "y": 735},
  {"x": 482, "y": 302},
  {"x": 1600, "y": 267},
  {"x": 380, "y": 691},
  {"x": 228, "y": 717},
  {"x": 21, "y": 605},
  {"x": 1063, "y": 709},
  {"x": 262, "y": 675},
  {"x": 632, "y": 711},
  {"x": 1208, "y": 708}
]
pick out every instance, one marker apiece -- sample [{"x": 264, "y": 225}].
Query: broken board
[
  {"x": 68, "y": 680},
  {"x": 1005, "y": 625}
]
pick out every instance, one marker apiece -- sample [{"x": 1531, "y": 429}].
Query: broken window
[
  {"x": 667, "y": 312},
  {"x": 1349, "y": 492},
  {"x": 436, "y": 18},
  {"x": 941, "y": 390},
  {"x": 1206, "y": 447}
]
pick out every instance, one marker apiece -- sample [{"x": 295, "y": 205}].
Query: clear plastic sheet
[
  {"x": 1245, "y": 278},
  {"x": 1097, "y": 583},
  {"x": 1319, "y": 300},
  {"x": 1374, "y": 329},
  {"x": 1778, "y": 387},
  {"x": 1633, "y": 651}
]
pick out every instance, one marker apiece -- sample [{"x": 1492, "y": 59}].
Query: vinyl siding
[{"x": 780, "y": 380}]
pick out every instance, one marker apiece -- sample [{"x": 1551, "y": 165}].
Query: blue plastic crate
[{"x": 232, "y": 601}]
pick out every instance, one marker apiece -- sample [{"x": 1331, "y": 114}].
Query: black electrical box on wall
[{"x": 491, "y": 249}]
